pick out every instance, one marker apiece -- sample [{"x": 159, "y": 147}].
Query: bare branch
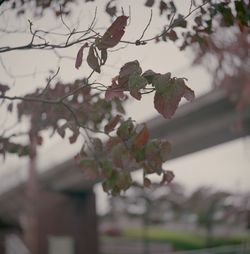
[
  {"x": 49, "y": 81},
  {"x": 147, "y": 26}
]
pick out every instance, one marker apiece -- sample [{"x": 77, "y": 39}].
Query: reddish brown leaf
[
  {"x": 167, "y": 97},
  {"x": 114, "y": 91},
  {"x": 142, "y": 138},
  {"x": 172, "y": 35},
  {"x": 113, "y": 34},
  {"x": 112, "y": 124},
  {"x": 79, "y": 56}
]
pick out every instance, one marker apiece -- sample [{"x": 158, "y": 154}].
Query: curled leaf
[
  {"x": 92, "y": 60},
  {"x": 112, "y": 124},
  {"x": 79, "y": 56}
]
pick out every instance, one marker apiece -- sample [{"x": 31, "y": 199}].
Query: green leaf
[
  {"x": 149, "y": 75},
  {"x": 128, "y": 69},
  {"x": 180, "y": 22},
  {"x": 161, "y": 81},
  {"x": 136, "y": 82},
  {"x": 125, "y": 130}
]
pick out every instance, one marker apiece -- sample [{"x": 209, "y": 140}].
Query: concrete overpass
[{"x": 208, "y": 121}]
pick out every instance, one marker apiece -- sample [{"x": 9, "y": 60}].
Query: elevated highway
[{"x": 208, "y": 121}]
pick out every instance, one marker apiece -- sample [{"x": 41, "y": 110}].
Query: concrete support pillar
[
  {"x": 65, "y": 223},
  {"x": 2, "y": 243}
]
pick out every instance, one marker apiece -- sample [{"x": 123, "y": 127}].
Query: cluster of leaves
[
  {"x": 168, "y": 90},
  {"x": 6, "y": 146},
  {"x": 127, "y": 149},
  {"x": 81, "y": 109},
  {"x": 97, "y": 54}
]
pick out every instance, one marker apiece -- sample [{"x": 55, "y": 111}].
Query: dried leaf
[
  {"x": 79, "y": 56},
  {"x": 128, "y": 69},
  {"x": 142, "y": 138},
  {"x": 114, "y": 91},
  {"x": 172, "y": 35},
  {"x": 167, "y": 97},
  {"x": 92, "y": 60},
  {"x": 113, "y": 34},
  {"x": 110, "y": 126}
]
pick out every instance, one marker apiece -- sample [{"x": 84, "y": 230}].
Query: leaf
[
  {"x": 114, "y": 91},
  {"x": 165, "y": 150},
  {"x": 163, "y": 7},
  {"x": 79, "y": 56},
  {"x": 110, "y": 126},
  {"x": 146, "y": 182},
  {"x": 3, "y": 89},
  {"x": 172, "y": 35},
  {"x": 92, "y": 60},
  {"x": 161, "y": 81},
  {"x": 113, "y": 34},
  {"x": 136, "y": 94},
  {"x": 150, "y": 3},
  {"x": 167, "y": 177},
  {"x": 111, "y": 10},
  {"x": 167, "y": 99},
  {"x": 149, "y": 75},
  {"x": 104, "y": 56},
  {"x": 179, "y": 22},
  {"x": 135, "y": 83},
  {"x": 10, "y": 107},
  {"x": 128, "y": 69},
  {"x": 125, "y": 129},
  {"x": 142, "y": 138}
]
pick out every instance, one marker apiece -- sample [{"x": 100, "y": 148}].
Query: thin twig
[
  {"x": 49, "y": 81},
  {"x": 147, "y": 26}
]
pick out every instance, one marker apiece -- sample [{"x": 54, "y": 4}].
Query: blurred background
[{"x": 206, "y": 209}]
